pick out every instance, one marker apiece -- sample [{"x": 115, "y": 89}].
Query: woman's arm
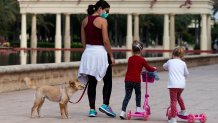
[
  {"x": 106, "y": 41},
  {"x": 83, "y": 36}
]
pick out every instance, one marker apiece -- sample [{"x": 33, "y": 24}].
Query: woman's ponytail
[
  {"x": 91, "y": 9},
  {"x": 101, "y": 3}
]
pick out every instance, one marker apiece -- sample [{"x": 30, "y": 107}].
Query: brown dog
[{"x": 55, "y": 94}]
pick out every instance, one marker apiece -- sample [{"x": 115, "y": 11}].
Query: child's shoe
[
  {"x": 182, "y": 112},
  {"x": 139, "y": 109},
  {"x": 92, "y": 113},
  {"x": 172, "y": 120},
  {"x": 123, "y": 115},
  {"x": 107, "y": 110}
]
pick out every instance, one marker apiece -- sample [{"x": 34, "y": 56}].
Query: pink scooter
[
  {"x": 145, "y": 115},
  {"x": 191, "y": 118}
]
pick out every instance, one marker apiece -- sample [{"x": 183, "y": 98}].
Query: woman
[{"x": 97, "y": 56}]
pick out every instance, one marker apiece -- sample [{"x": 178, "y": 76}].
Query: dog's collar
[
  {"x": 69, "y": 100},
  {"x": 68, "y": 97}
]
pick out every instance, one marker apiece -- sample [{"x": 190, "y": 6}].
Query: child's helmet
[{"x": 137, "y": 46}]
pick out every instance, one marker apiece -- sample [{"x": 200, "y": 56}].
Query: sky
[{"x": 216, "y": 16}]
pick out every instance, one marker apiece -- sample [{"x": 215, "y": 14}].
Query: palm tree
[{"x": 8, "y": 15}]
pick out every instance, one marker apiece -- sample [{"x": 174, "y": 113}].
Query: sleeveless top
[{"x": 93, "y": 34}]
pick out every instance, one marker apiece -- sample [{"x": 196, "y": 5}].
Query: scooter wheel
[
  {"x": 129, "y": 115},
  {"x": 145, "y": 115},
  {"x": 191, "y": 118},
  {"x": 203, "y": 118}
]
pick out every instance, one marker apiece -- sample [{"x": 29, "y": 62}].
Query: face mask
[{"x": 104, "y": 15}]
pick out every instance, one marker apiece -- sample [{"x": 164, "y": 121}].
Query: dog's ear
[
  {"x": 72, "y": 83},
  {"x": 77, "y": 80}
]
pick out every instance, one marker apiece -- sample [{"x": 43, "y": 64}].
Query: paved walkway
[{"x": 200, "y": 97}]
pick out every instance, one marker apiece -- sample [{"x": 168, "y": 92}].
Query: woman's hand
[{"x": 112, "y": 60}]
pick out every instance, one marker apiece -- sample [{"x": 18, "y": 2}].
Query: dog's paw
[
  {"x": 35, "y": 116},
  {"x": 40, "y": 116},
  {"x": 64, "y": 117}
]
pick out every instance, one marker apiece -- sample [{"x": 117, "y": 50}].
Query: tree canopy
[{"x": 151, "y": 26}]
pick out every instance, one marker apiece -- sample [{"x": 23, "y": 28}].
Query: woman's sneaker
[
  {"x": 92, "y": 113},
  {"x": 107, "y": 110}
]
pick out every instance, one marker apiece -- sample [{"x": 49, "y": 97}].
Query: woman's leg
[
  {"x": 180, "y": 100},
  {"x": 92, "y": 91},
  {"x": 128, "y": 90},
  {"x": 173, "y": 101},
  {"x": 105, "y": 108},
  {"x": 107, "y": 85}
]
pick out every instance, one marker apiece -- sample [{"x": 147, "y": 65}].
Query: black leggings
[
  {"x": 129, "y": 86},
  {"x": 106, "y": 89}
]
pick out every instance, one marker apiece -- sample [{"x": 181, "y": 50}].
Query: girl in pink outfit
[{"x": 177, "y": 69}]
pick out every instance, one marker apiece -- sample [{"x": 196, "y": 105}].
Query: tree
[
  {"x": 182, "y": 31},
  {"x": 215, "y": 7},
  {"x": 117, "y": 29},
  {"x": 215, "y": 28},
  {"x": 152, "y": 28},
  {"x": 8, "y": 16},
  {"x": 10, "y": 21}
]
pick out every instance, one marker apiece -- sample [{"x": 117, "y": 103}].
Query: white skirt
[{"x": 94, "y": 62}]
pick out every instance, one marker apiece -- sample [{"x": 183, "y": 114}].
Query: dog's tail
[{"x": 29, "y": 83}]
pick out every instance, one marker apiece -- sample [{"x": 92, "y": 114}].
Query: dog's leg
[
  {"x": 66, "y": 110},
  {"x": 40, "y": 105},
  {"x": 62, "y": 110},
  {"x": 35, "y": 106}
]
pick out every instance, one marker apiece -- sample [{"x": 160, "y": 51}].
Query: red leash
[{"x": 81, "y": 95}]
